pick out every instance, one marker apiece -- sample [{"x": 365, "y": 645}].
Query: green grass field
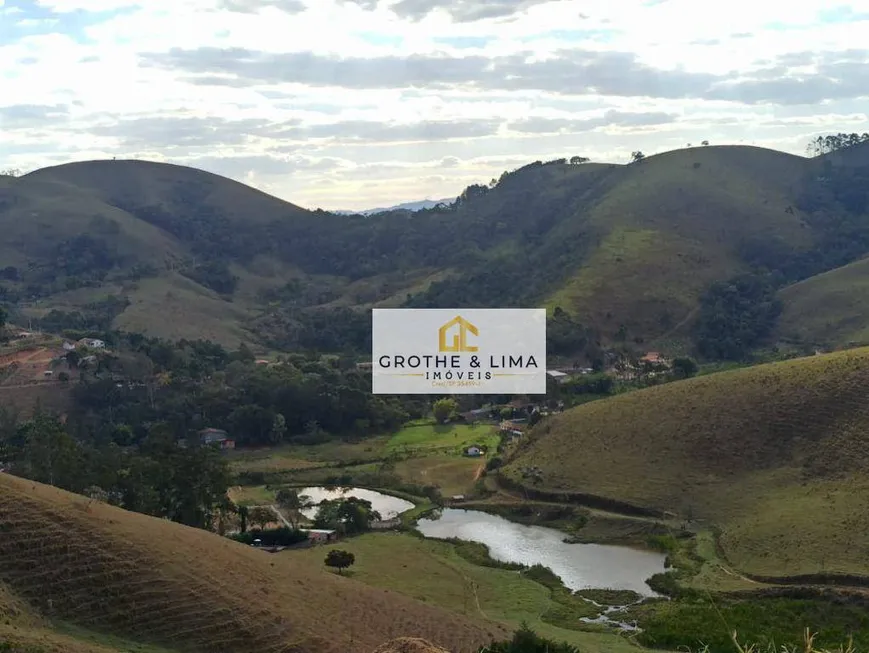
[
  {"x": 422, "y": 453},
  {"x": 435, "y": 573},
  {"x": 420, "y": 439}
]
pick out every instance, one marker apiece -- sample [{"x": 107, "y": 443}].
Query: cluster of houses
[{"x": 84, "y": 343}]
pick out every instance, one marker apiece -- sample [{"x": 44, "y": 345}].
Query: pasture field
[
  {"x": 437, "y": 573},
  {"x": 421, "y": 453}
]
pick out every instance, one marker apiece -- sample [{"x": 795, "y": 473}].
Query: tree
[
  {"x": 350, "y": 515},
  {"x": 526, "y": 640},
  {"x": 576, "y": 160},
  {"x": 684, "y": 368},
  {"x": 704, "y": 143},
  {"x": 339, "y": 559},
  {"x": 279, "y": 429},
  {"x": 637, "y": 156},
  {"x": 243, "y": 513},
  {"x": 834, "y": 142},
  {"x": 443, "y": 409},
  {"x": 96, "y": 493},
  {"x": 293, "y": 503},
  {"x": 3, "y": 316},
  {"x": 261, "y": 516}
]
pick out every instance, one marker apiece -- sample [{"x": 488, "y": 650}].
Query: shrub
[{"x": 271, "y": 537}]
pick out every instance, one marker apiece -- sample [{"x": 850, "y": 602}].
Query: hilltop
[
  {"x": 627, "y": 250},
  {"x": 774, "y": 456},
  {"x": 71, "y": 568}
]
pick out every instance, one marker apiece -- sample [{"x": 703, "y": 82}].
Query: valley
[{"x": 197, "y": 361}]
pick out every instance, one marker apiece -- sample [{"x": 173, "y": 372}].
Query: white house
[
  {"x": 92, "y": 343},
  {"x": 473, "y": 451},
  {"x": 561, "y": 377},
  {"x": 68, "y": 346}
]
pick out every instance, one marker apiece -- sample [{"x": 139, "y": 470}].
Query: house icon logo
[{"x": 460, "y": 328}]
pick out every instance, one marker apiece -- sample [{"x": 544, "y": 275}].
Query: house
[
  {"x": 92, "y": 343},
  {"x": 261, "y": 361},
  {"x": 319, "y": 535},
  {"x": 512, "y": 427},
  {"x": 559, "y": 377},
  {"x": 364, "y": 366},
  {"x": 68, "y": 346},
  {"x": 216, "y": 436},
  {"x": 653, "y": 358},
  {"x": 474, "y": 451}
]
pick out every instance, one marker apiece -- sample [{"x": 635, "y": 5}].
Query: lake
[
  {"x": 387, "y": 505},
  {"x": 580, "y": 566}
]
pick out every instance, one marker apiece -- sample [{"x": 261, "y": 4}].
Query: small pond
[
  {"x": 580, "y": 566},
  {"x": 388, "y": 506}
]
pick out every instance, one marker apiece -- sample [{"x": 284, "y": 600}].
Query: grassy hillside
[
  {"x": 774, "y": 455},
  {"x": 675, "y": 223},
  {"x": 64, "y": 559},
  {"x": 614, "y": 245},
  {"x": 830, "y": 309}
]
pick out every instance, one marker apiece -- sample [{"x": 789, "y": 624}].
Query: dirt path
[
  {"x": 479, "y": 472},
  {"x": 465, "y": 579},
  {"x": 280, "y": 515}
]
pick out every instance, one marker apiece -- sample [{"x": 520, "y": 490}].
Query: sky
[{"x": 351, "y": 104}]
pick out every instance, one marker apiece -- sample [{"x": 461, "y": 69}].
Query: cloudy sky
[{"x": 360, "y": 103}]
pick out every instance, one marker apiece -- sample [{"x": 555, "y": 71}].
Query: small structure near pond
[
  {"x": 320, "y": 535},
  {"x": 474, "y": 451}
]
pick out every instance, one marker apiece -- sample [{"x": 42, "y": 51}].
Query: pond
[
  {"x": 387, "y": 505},
  {"x": 580, "y": 566}
]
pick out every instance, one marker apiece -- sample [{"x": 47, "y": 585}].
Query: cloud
[
  {"x": 23, "y": 116},
  {"x": 373, "y": 132},
  {"x": 833, "y": 76},
  {"x": 356, "y": 103},
  {"x": 248, "y": 167},
  {"x": 464, "y": 11},
  {"x": 167, "y": 132},
  {"x": 543, "y": 125},
  {"x": 255, "y": 6},
  {"x": 569, "y": 71}
]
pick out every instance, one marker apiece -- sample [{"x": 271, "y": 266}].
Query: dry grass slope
[
  {"x": 409, "y": 645},
  {"x": 776, "y": 455},
  {"x": 150, "y": 580},
  {"x": 830, "y": 309}
]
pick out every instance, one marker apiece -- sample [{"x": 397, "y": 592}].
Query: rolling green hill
[
  {"x": 775, "y": 456},
  {"x": 830, "y": 309},
  {"x": 626, "y": 249},
  {"x": 82, "y": 576}
]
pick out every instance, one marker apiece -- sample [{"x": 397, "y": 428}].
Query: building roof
[
  {"x": 555, "y": 373},
  {"x": 318, "y": 531}
]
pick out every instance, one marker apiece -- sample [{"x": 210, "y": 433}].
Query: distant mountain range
[
  {"x": 627, "y": 251},
  {"x": 406, "y": 206}
]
